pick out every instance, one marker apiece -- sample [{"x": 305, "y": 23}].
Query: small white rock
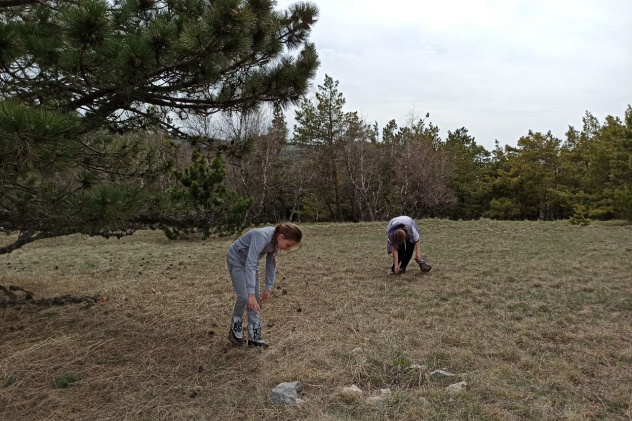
[
  {"x": 439, "y": 374},
  {"x": 352, "y": 390},
  {"x": 424, "y": 401},
  {"x": 383, "y": 395},
  {"x": 356, "y": 350},
  {"x": 417, "y": 367},
  {"x": 456, "y": 388}
]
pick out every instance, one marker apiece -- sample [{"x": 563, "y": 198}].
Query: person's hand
[
  {"x": 396, "y": 269},
  {"x": 253, "y": 304},
  {"x": 266, "y": 296},
  {"x": 418, "y": 256}
]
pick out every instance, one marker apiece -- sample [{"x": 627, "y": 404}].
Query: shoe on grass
[
  {"x": 237, "y": 330},
  {"x": 254, "y": 336}
]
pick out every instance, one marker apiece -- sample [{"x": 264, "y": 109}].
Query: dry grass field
[{"x": 535, "y": 316}]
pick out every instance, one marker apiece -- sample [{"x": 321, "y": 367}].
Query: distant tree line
[{"x": 336, "y": 167}]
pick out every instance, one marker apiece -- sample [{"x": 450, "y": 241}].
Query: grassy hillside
[{"x": 535, "y": 316}]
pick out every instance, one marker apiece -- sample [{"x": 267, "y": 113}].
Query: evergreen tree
[
  {"x": 528, "y": 178},
  {"x": 78, "y": 76},
  {"x": 608, "y": 177},
  {"x": 469, "y": 163},
  {"x": 323, "y": 126},
  {"x": 205, "y": 204}
]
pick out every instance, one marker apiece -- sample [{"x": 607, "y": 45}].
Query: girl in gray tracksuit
[{"x": 243, "y": 266}]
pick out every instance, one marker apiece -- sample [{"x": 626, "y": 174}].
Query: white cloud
[{"x": 497, "y": 67}]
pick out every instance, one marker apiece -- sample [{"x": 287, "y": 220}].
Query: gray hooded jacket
[{"x": 246, "y": 252}]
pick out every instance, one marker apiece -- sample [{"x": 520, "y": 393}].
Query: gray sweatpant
[{"x": 238, "y": 276}]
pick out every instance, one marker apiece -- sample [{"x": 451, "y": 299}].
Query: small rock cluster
[
  {"x": 355, "y": 392},
  {"x": 288, "y": 393}
]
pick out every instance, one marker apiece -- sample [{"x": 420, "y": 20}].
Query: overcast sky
[{"x": 495, "y": 67}]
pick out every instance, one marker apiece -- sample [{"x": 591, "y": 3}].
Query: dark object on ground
[{"x": 424, "y": 266}]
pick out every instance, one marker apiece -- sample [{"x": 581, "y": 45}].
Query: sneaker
[
  {"x": 254, "y": 336},
  {"x": 237, "y": 330}
]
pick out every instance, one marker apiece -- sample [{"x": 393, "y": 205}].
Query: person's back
[{"x": 402, "y": 240}]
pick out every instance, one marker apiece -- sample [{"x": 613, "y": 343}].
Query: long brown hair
[
  {"x": 400, "y": 235},
  {"x": 290, "y": 231}
]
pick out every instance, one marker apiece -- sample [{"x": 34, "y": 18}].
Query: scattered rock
[
  {"x": 424, "y": 402},
  {"x": 383, "y": 395},
  {"x": 352, "y": 390},
  {"x": 456, "y": 388},
  {"x": 441, "y": 374},
  {"x": 356, "y": 350},
  {"x": 417, "y": 367},
  {"x": 286, "y": 394},
  {"x": 299, "y": 310}
]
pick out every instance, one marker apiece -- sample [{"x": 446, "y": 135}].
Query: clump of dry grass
[{"x": 534, "y": 316}]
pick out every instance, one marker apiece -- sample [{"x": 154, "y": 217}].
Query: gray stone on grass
[
  {"x": 417, "y": 367},
  {"x": 424, "y": 402},
  {"x": 456, "y": 388},
  {"x": 286, "y": 394},
  {"x": 440, "y": 374},
  {"x": 383, "y": 395},
  {"x": 352, "y": 390}
]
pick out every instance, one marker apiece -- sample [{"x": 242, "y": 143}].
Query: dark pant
[{"x": 404, "y": 254}]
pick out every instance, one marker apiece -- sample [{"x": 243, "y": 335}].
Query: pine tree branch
[
  {"x": 89, "y": 99},
  {"x": 13, "y": 3},
  {"x": 24, "y": 239}
]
